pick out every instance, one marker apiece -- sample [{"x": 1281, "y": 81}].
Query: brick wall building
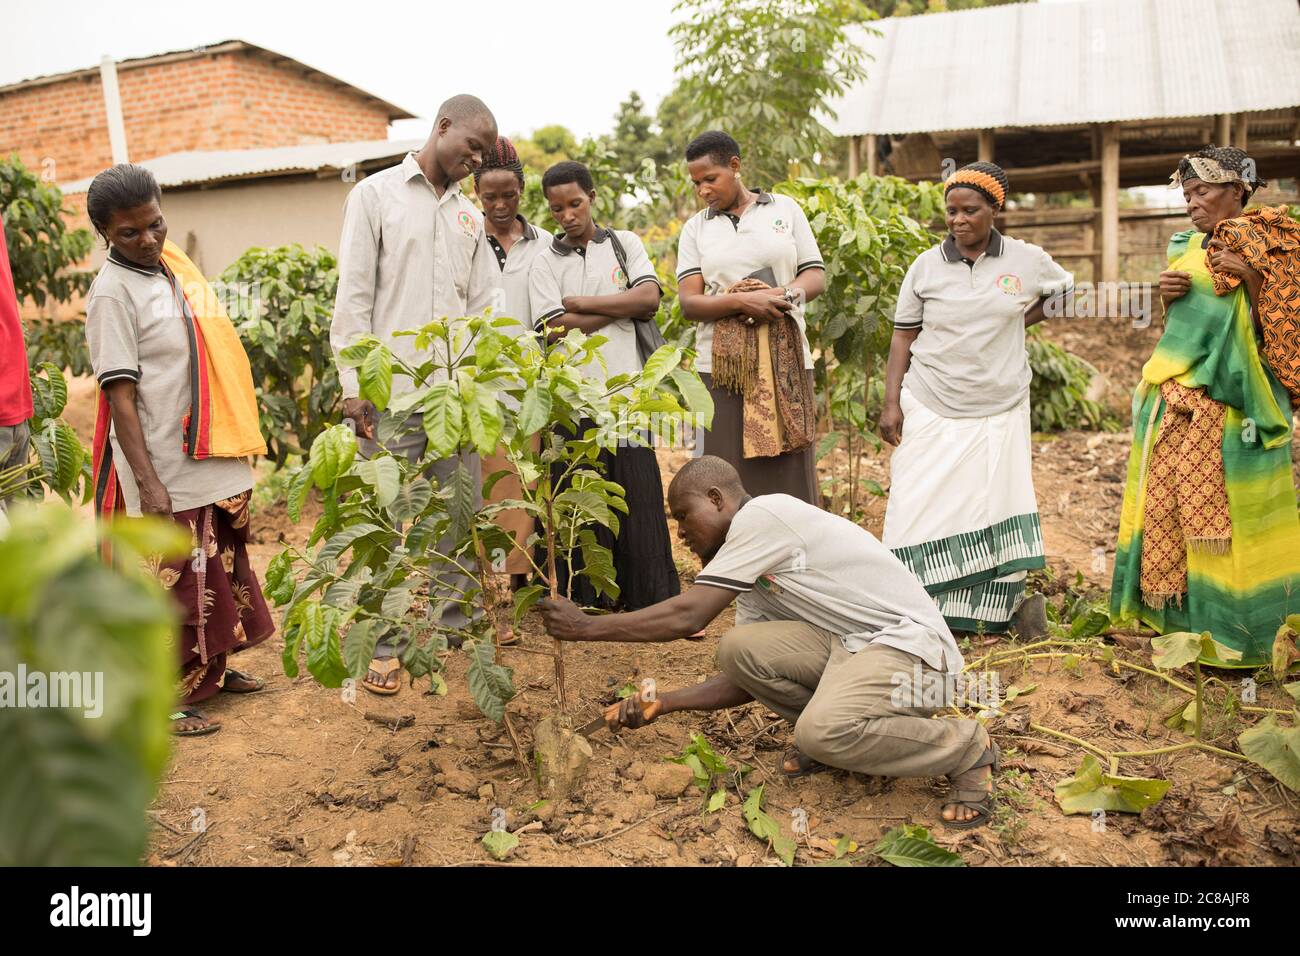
[{"x": 232, "y": 95}]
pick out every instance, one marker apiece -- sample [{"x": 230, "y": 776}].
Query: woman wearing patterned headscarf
[
  {"x": 962, "y": 512},
  {"x": 1209, "y": 539}
]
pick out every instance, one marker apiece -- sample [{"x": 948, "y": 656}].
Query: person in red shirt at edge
[{"x": 15, "y": 386}]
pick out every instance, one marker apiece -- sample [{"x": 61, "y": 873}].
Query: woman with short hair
[
  {"x": 1209, "y": 538},
  {"x": 176, "y": 425},
  {"x": 962, "y": 514},
  {"x": 747, "y": 264}
]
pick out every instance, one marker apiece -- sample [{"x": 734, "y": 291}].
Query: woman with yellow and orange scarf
[{"x": 177, "y": 423}]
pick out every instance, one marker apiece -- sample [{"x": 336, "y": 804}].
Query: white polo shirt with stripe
[
  {"x": 787, "y": 560},
  {"x": 772, "y": 233},
  {"x": 561, "y": 270}
]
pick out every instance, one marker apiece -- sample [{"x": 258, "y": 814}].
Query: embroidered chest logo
[
  {"x": 1009, "y": 284},
  {"x": 619, "y": 277},
  {"x": 780, "y": 227},
  {"x": 466, "y": 223}
]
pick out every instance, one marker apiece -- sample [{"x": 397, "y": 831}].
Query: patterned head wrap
[
  {"x": 501, "y": 155},
  {"x": 1218, "y": 164},
  {"x": 987, "y": 179}
]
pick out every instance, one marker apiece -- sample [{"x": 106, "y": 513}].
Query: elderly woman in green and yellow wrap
[{"x": 1209, "y": 538}]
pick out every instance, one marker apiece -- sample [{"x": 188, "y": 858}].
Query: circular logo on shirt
[
  {"x": 780, "y": 227},
  {"x": 466, "y": 222},
  {"x": 619, "y": 276},
  {"x": 1009, "y": 284}
]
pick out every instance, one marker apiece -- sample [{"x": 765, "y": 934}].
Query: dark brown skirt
[
  {"x": 793, "y": 474},
  {"x": 222, "y": 608}
]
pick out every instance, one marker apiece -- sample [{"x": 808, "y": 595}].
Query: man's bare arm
[{"x": 678, "y": 617}]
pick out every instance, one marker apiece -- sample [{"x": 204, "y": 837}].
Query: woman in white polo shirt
[
  {"x": 962, "y": 514},
  {"x": 514, "y": 243},
  {"x": 751, "y": 234}
]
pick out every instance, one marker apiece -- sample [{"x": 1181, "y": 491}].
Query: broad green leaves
[
  {"x": 765, "y": 828},
  {"x": 499, "y": 843},
  {"x": 1092, "y": 789},
  {"x": 1171, "y": 651},
  {"x": 491, "y": 684},
  {"x": 383, "y": 475},
  {"x": 1275, "y": 748},
  {"x": 79, "y": 785},
  {"x": 331, "y": 455},
  {"x": 702, "y": 759},
  {"x": 375, "y": 376},
  {"x": 911, "y": 845}
]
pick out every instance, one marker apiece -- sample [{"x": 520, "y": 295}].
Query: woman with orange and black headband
[{"x": 962, "y": 513}]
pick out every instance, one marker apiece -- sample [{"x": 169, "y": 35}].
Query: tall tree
[
  {"x": 763, "y": 69},
  {"x": 634, "y": 138}
]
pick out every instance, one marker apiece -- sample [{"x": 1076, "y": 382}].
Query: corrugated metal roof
[
  {"x": 209, "y": 166},
  {"x": 1063, "y": 63}
]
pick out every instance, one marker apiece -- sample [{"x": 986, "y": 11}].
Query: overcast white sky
[{"x": 523, "y": 58}]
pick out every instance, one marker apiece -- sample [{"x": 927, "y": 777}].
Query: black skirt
[
  {"x": 794, "y": 473},
  {"x": 643, "y": 551}
]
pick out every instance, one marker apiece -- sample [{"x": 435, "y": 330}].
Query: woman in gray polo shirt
[
  {"x": 140, "y": 348},
  {"x": 962, "y": 513},
  {"x": 746, "y": 233}
]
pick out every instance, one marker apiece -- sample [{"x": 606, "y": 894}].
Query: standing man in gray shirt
[
  {"x": 832, "y": 632},
  {"x": 411, "y": 253}
]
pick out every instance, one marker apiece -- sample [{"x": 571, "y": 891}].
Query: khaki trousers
[{"x": 847, "y": 709}]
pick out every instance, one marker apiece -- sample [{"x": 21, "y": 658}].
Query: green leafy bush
[
  {"x": 42, "y": 249},
  {"x": 1057, "y": 396},
  {"x": 60, "y": 343},
  {"x": 282, "y": 300},
  {"x": 337, "y": 613},
  {"x": 61, "y": 463},
  {"x": 76, "y": 786}
]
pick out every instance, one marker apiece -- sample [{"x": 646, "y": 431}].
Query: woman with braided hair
[
  {"x": 1209, "y": 538},
  {"x": 962, "y": 514},
  {"x": 513, "y": 242}
]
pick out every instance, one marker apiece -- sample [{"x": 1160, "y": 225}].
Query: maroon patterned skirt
[{"x": 218, "y": 592}]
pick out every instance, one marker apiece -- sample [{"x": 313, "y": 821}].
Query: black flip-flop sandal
[
  {"x": 191, "y": 714},
  {"x": 981, "y": 801},
  {"x": 807, "y": 765},
  {"x": 239, "y": 675}
]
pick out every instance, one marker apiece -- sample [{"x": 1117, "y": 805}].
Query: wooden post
[
  {"x": 1222, "y": 125},
  {"x": 1110, "y": 203},
  {"x": 1240, "y": 127},
  {"x": 855, "y": 143},
  {"x": 871, "y": 155},
  {"x": 986, "y": 146}
]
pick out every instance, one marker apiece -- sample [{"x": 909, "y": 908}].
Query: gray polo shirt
[
  {"x": 561, "y": 270},
  {"x": 135, "y": 331},
  {"x": 407, "y": 256},
  {"x": 723, "y": 249},
  {"x": 790, "y": 561},
  {"x": 969, "y": 360},
  {"x": 512, "y": 282}
]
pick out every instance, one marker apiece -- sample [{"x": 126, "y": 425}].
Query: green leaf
[
  {"x": 696, "y": 394},
  {"x": 525, "y": 598},
  {"x": 658, "y": 365},
  {"x": 296, "y": 495},
  {"x": 1275, "y": 748},
  {"x": 717, "y": 801},
  {"x": 359, "y": 647},
  {"x": 499, "y": 843},
  {"x": 411, "y": 500},
  {"x": 332, "y": 454},
  {"x": 443, "y": 420},
  {"x": 828, "y": 443},
  {"x": 1092, "y": 789},
  {"x": 336, "y": 545},
  {"x": 483, "y": 417},
  {"x": 375, "y": 377},
  {"x": 1090, "y": 624},
  {"x": 384, "y": 475},
  {"x": 461, "y": 505},
  {"x": 535, "y": 412},
  {"x": 490, "y": 684},
  {"x": 1171, "y": 651},
  {"x": 321, "y": 638},
  {"x": 911, "y": 845},
  {"x": 398, "y": 599},
  {"x": 765, "y": 828}
]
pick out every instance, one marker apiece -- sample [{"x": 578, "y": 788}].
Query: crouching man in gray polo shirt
[{"x": 832, "y": 632}]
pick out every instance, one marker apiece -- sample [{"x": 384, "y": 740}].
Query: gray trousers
[
  {"x": 844, "y": 706},
  {"x": 411, "y": 445},
  {"x": 14, "y": 443}
]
